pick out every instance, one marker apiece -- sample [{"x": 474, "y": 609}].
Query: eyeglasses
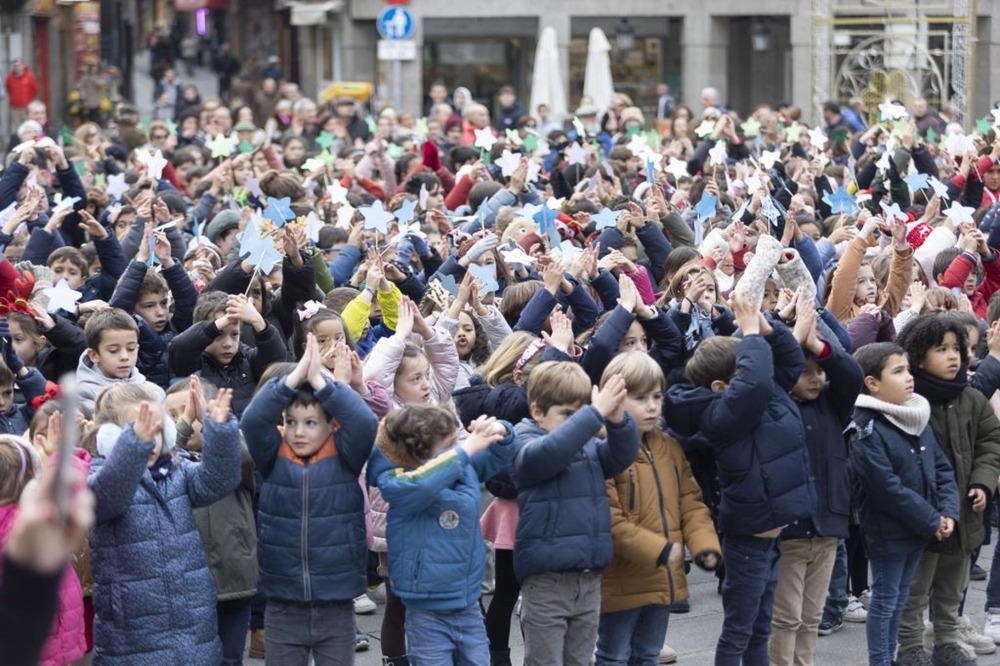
[{"x": 159, "y": 137}]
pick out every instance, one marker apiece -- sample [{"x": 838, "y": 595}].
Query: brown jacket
[
  {"x": 657, "y": 487},
  {"x": 845, "y": 282}
]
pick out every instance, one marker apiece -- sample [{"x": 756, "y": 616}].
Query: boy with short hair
[
  {"x": 738, "y": 399},
  {"x": 69, "y": 262},
  {"x": 112, "y": 350},
  {"x": 211, "y": 346},
  {"x": 14, "y": 416},
  {"x": 145, "y": 294},
  {"x": 564, "y": 531}
]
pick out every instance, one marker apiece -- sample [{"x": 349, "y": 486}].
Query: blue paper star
[
  {"x": 405, "y": 212},
  {"x": 553, "y": 236},
  {"x": 486, "y": 276},
  {"x": 606, "y": 218},
  {"x": 839, "y": 201},
  {"x": 279, "y": 210},
  {"x": 448, "y": 282},
  {"x": 152, "y": 261},
  {"x": 706, "y": 206},
  {"x": 650, "y": 178},
  {"x": 377, "y": 217},
  {"x": 546, "y": 218},
  {"x": 262, "y": 254},
  {"x": 916, "y": 181}
]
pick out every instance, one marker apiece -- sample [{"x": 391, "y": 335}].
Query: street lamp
[
  {"x": 625, "y": 35},
  {"x": 760, "y": 36}
]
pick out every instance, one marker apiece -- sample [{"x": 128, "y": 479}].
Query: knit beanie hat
[
  {"x": 527, "y": 240},
  {"x": 221, "y": 223}
]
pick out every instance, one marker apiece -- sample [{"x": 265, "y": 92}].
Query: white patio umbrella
[
  {"x": 546, "y": 80},
  {"x": 597, "y": 82}
]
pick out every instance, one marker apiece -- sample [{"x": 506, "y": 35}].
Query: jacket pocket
[{"x": 838, "y": 486}]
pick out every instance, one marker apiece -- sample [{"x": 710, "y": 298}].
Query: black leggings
[
  {"x": 857, "y": 562},
  {"x": 504, "y": 601},
  {"x": 393, "y": 625}
]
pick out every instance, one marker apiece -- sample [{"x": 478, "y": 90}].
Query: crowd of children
[{"x": 562, "y": 368}]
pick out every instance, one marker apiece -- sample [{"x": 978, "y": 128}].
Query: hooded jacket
[
  {"x": 91, "y": 379},
  {"x": 757, "y": 434}
]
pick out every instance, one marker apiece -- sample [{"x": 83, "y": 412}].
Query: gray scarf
[{"x": 911, "y": 417}]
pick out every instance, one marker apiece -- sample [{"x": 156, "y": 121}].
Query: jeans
[
  {"x": 297, "y": 630},
  {"x": 632, "y": 637},
  {"x": 234, "y": 620},
  {"x": 836, "y": 599},
  {"x": 443, "y": 638},
  {"x": 891, "y": 578},
  {"x": 748, "y": 600}
]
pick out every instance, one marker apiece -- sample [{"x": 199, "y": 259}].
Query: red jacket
[
  {"x": 22, "y": 89},
  {"x": 984, "y": 164},
  {"x": 959, "y": 270}
]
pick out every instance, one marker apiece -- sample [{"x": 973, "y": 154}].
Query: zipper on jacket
[
  {"x": 305, "y": 534},
  {"x": 663, "y": 513},
  {"x": 631, "y": 490}
]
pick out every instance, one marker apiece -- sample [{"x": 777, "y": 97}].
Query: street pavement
[
  {"x": 204, "y": 79},
  {"x": 694, "y": 634}
]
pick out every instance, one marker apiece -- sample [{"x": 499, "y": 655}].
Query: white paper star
[
  {"x": 637, "y": 145},
  {"x": 154, "y": 165},
  {"x": 555, "y": 204},
  {"x": 893, "y": 213},
  {"x": 313, "y": 164},
  {"x": 768, "y": 159},
  {"x": 508, "y": 163},
  {"x": 883, "y": 162},
  {"x": 959, "y": 214},
  {"x": 960, "y": 144},
  {"x": 677, "y": 168},
  {"x": 817, "y": 138},
  {"x": 534, "y": 170},
  {"x": 485, "y": 139},
  {"x": 61, "y": 297},
  {"x": 117, "y": 187},
  {"x": 576, "y": 154},
  {"x": 337, "y": 192},
  {"x": 568, "y": 250},
  {"x": 345, "y": 215},
  {"x": 996, "y": 117},
  {"x": 377, "y": 217},
  {"x": 517, "y": 257},
  {"x": 313, "y": 225},
  {"x": 718, "y": 154},
  {"x": 65, "y": 203},
  {"x": 891, "y": 111},
  {"x": 423, "y": 196},
  {"x": 940, "y": 189}
]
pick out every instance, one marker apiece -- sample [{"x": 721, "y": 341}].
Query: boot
[
  {"x": 396, "y": 661},
  {"x": 500, "y": 658},
  {"x": 256, "y": 644}
]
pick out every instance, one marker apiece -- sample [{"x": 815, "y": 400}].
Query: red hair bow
[{"x": 52, "y": 392}]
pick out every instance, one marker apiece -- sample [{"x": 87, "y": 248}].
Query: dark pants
[
  {"x": 393, "y": 625},
  {"x": 296, "y": 632},
  {"x": 748, "y": 600},
  {"x": 234, "y": 619},
  {"x": 504, "y": 601},
  {"x": 857, "y": 561},
  {"x": 632, "y": 637}
]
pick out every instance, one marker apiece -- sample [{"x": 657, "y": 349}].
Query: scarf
[
  {"x": 937, "y": 390},
  {"x": 700, "y": 327},
  {"x": 911, "y": 417}
]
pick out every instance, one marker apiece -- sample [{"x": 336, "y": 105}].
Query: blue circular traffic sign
[{"x": 395, "y": 22}]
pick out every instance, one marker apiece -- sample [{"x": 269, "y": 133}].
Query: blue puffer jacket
[
  {"x": 18, "y": 418},
  {"x": 757, "y": 434},
  {"x": 436, "y": 553},
  {"x": 565, "y": 520},
  {"x": 311, "y": 543},
  {"x": 153, "y": 593},
  {"x": 903, "y": 484}
]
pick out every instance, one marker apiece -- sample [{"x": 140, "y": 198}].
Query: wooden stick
[{"x": 253, "y": 276}]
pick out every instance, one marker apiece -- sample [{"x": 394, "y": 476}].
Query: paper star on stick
[
  {"x": 221, "y": 146},
  {"x": 606, "y": 218},
  {"x": 960, "y": 144},
  {"x": 581, "y": 131},
  {"x": 883, "y": 163},
  {"x": 768, "y": 158},
  {"x": 916, "y": 181},
  {"x": 751, "y": 127},
  {"x": 959, "y": 214},
  {"x": 705, "y": 128},
  {"x": 313, "y": 225},
  {"x": 423, "y": 196},
  {"x": 534, "y": 170},
  {"x": 485, "y": 139},
  {"x": 517, "y": 257},
  {"x": 638, "y": 145},
  {"x": 893, "y": 213},
  {"x": 890, "y": 111},
  {"x": 117, "y": 187},
  {"x": 677, "y": 168},
  {"x": 404, "y": 214},
  {"x": 65, "y": 203},
  {"x": 940, "y": 189},
  {"x": 253, "y": 185},
  {"x": 345, "y": 215},
  {"x": 486, "y": 276},
  {"x": 817, "y": 138},
  {"x": 262, "y": 255},
  {"x": 279, "y": 210},
  {"x": 325, "y": 140},
  {"x": 377, "y": 217},
  {"x": 568, "y": 250},
  {"x": 420, "y": 128},
  {"x": 336, "y": 192},
  {"x": 313, "y": 164},
  {"x": 555, "y": 204},
  {"x": 840, "y": 201},
  {"x": 512, "y": 137},
  {"x": 576, "y": 154},
  {"x": 508, "y": 163},
  {"x": 154, "y": 164},
  {"x": 718, "y": 154},
  {"x": 706, "y": 207},
  {"x": 61, "y": 297},
  {"x": 448, "y": 283}
]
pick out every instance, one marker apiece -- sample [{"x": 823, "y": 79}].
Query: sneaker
[
  {"x": 928, "y": 635},
  {"x": 969, "y": 633},
  {"x": 991, "y": 627},
  {"x": 914, "y": 656},
  {"x": 256, "y": 644},
  {"x": 668, "y": 655},
  {"x": 865, "y": 598},
  {"x": 855, "y": 611},
  {"x": 830, "y": 625},
  {"x": 361, "y": 643},
  {"x": 976, "y": 572},
  {"x": 377, "y": 593},
  {"x": 950, "y": 654},
  {"x": 363, "y": 605}
]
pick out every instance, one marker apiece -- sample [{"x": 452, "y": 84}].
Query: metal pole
[{"x": 397, "y": 84}]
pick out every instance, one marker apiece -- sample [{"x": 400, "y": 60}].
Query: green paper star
[
  {"x": 513, "y": 138},
  {"x": 839, "y": 136},
  {"x": 100, "y": 180},
  {"x": 932, "y": 136},
  {"x": 633, "y": 130},
  {"x": 81, "y": 168},
  {"x": 371, "y": 124},
  {"x": 793, "y": 132},
  {"x": 145, "y": 126},
  {"x": 531, "y": 141},
  {"x": 899, "y": 127},
  {"x": 172, "y": 128},
  {"x": 581, "y": 131},
  {"x": 245, "y": 147},
  {"x": 325, "y": 140},
  {"x": 421, "y": 129},
  {"x": 395, "y": 151},
  {"x": 706, "y": 128},
  {"x": 327, "y": 157},
  {"x": 751, "y": 127},
  {"x": 221, "y": 146},
  {"x": 653, "y": 140},
  {"x": 484, "y": 155},
  {"x": 984, "y": 125}
]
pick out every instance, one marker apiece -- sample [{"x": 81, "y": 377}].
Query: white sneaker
[
  {"x": 991, "y": 627},
  {"x": 668, "y": 655},
  {"x": 969, "y": 633},
  {"x": 855, "y": 611},
  {"x": 377, "y": 593},
  {"x": 363, "y": 605},
  {"x": 928, "y": 636},
  {"x": 865, "y": 598}
]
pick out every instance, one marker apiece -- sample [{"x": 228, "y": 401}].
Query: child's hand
[
  {"x": 341, "y": 355},
  {"x": 628, "y": 295},
  {"x": 147, "y": 424},
  {"x": 161, "y": 249},
  {"x": 978, "y": 497},
  {"x": 404, "y": 319},
  {"x": 195, "y": 407},
  {"x": 610, "y": 400},
  {"x": 53, "y": 434},
  {"x": 745, "y": 313},
  {"x": 218, "y": 409},
  {"x": 90, "y": 224},
  {"x": 482, "y": 432},
  {"x": 420, "y": 325},
  {"x": 239, "y": 308},
  {"x": 710, "y": 561},
  {"x": 676, "y": 555},
  {"x": 295, "y": 378},
  {"x": 947, "y": 526},
  {"x": 314, "y": 369},
  {"x": 561, "y": 337}
]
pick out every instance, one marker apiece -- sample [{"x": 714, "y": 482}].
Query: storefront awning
[{"x": 312, "y": 13}]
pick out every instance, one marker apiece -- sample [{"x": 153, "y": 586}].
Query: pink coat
[
  {"x": 66, "y": 642},
  {"x": 499, "y": 523}
]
